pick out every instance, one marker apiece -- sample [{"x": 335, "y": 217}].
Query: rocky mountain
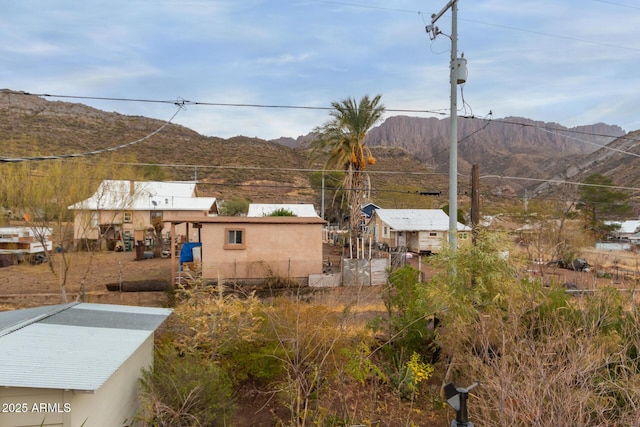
[
  {"x": 263, "y": 171},
  {"x": 618, "y": 160},
  {"x": 512, "y": 146},
  {"x": 412, "y": 153}
]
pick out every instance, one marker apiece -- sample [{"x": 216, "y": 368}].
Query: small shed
[
  {"x": 419, "y": 230},
  {"x": 69, "y": 364}
]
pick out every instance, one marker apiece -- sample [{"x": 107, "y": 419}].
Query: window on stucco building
[{"x": 235, "y": 238}]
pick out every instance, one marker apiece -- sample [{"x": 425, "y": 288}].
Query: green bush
[{"x": 185, "y": 390}]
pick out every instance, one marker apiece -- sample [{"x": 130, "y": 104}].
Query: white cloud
[{"x": 525, "y": 59}]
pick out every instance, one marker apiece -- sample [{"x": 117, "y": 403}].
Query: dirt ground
[{"x": 25, "y": 285}]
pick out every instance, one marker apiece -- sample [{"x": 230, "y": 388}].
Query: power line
[
  {"x": 507, "y": 27},
  {"x": 90, "y": 153},
  {"x": 559, "y": 36},
  {"x": 555, "y": 129},
  {"x": 617, "y": 4},
  {"x": 184, "y": 102},
  {"x": 558, "y": 181},
  {"x": 369, "y": 6}
]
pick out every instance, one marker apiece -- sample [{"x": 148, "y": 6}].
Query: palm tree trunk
[{"x": 355, "y": 201}]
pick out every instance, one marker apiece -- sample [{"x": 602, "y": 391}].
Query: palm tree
[{"x": 342, "y": 138}]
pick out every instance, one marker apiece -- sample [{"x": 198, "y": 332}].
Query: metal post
[
  {"x": 453, "y": 145},
  {"x": 322, "y": 197}
]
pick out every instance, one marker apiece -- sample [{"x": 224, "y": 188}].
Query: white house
[
  {"x": 303, "y": 210},
  {"x": 125, "y": 210},
  {"x": 628, "y": 229},
  {"x": 74, "y": 364},
  {"x": 420, "y": 230}
]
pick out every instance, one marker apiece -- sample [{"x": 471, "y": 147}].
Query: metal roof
[
  {"x": 626, "y": 227},
  {"x": 417, "y": 219},
  {"x": 305, "y": 210},
  {"x": 146, "y": 195},
  {"x": 75, "y": 346}
]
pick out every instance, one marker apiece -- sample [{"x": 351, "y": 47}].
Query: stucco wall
[
  {"x": 109, "y": 406},
  {"x": 285, "y": 250}
]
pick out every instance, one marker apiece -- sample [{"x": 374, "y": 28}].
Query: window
[
  {"x": 385, "y": 231},
  {"x": 235, "y": 238},
  {"x": 433, "y": 234},
  {"x": 464, "y": 236},
  {"x": 127, "y": 217},
  {"x": 156, "y": 214}
]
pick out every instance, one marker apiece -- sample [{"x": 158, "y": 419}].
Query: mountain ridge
[{"x": 278, "y": 169}]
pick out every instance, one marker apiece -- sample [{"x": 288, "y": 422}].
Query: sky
[{"x": 239, "y": 64}]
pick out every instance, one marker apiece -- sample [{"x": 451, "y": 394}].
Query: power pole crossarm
[{"x": 437, "y": 16}]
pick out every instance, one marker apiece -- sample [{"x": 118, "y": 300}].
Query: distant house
[
  {"x": 368, "y": 209},
  {"x": 628, "y": 229},
  {"x": 252, "y": 249},
  {"x": 298, "y": 209},
  {"x": 74, "y": 364},
  {"x": 419, "y": 230},
  {"x": 126, "y": 210}
]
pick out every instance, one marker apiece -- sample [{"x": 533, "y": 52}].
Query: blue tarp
[{"x": 186, "y": 253}]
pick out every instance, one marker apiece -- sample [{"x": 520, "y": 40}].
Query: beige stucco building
[
  {"x": 126, "y": 210},
  {"x": 251, "y": 249},
  {"x": 74, "y": 364}
]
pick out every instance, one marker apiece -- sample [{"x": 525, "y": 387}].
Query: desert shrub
[
  {"x": 309, "y": 339},
  {"x": 539, "y": 354},
  {"x": 227, "y": 329},
  {"x": 185, "y": 390},
  {"x": 406, "y": 321},
  {"x": 282, "y": 212}
]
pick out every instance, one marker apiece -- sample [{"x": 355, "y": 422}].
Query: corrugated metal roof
[
  {"x": 417, "y": 219},
  {"x": 627, "y": 227},
  {"x": 72, "y": 346},
  {"x": 305, "y": 210},
  {"x": 146, "y": 195}
]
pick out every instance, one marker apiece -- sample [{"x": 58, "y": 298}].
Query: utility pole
[
  {"x": 475, "y": 202},
  {"x": 322, "y": 202},
  {"x": 457, "y": 76}
]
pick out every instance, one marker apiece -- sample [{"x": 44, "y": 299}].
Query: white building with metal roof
[
  {"x": 124, "y": 210},
  {"x": 69, "y": 364},
  {"x": 419, "y": 230},
  {"x": 303, "y": 210}
]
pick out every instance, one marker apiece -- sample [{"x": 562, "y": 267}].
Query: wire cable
[
  {"x": 94, "y": 152},
  {"x": 184, "y": 102}
]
